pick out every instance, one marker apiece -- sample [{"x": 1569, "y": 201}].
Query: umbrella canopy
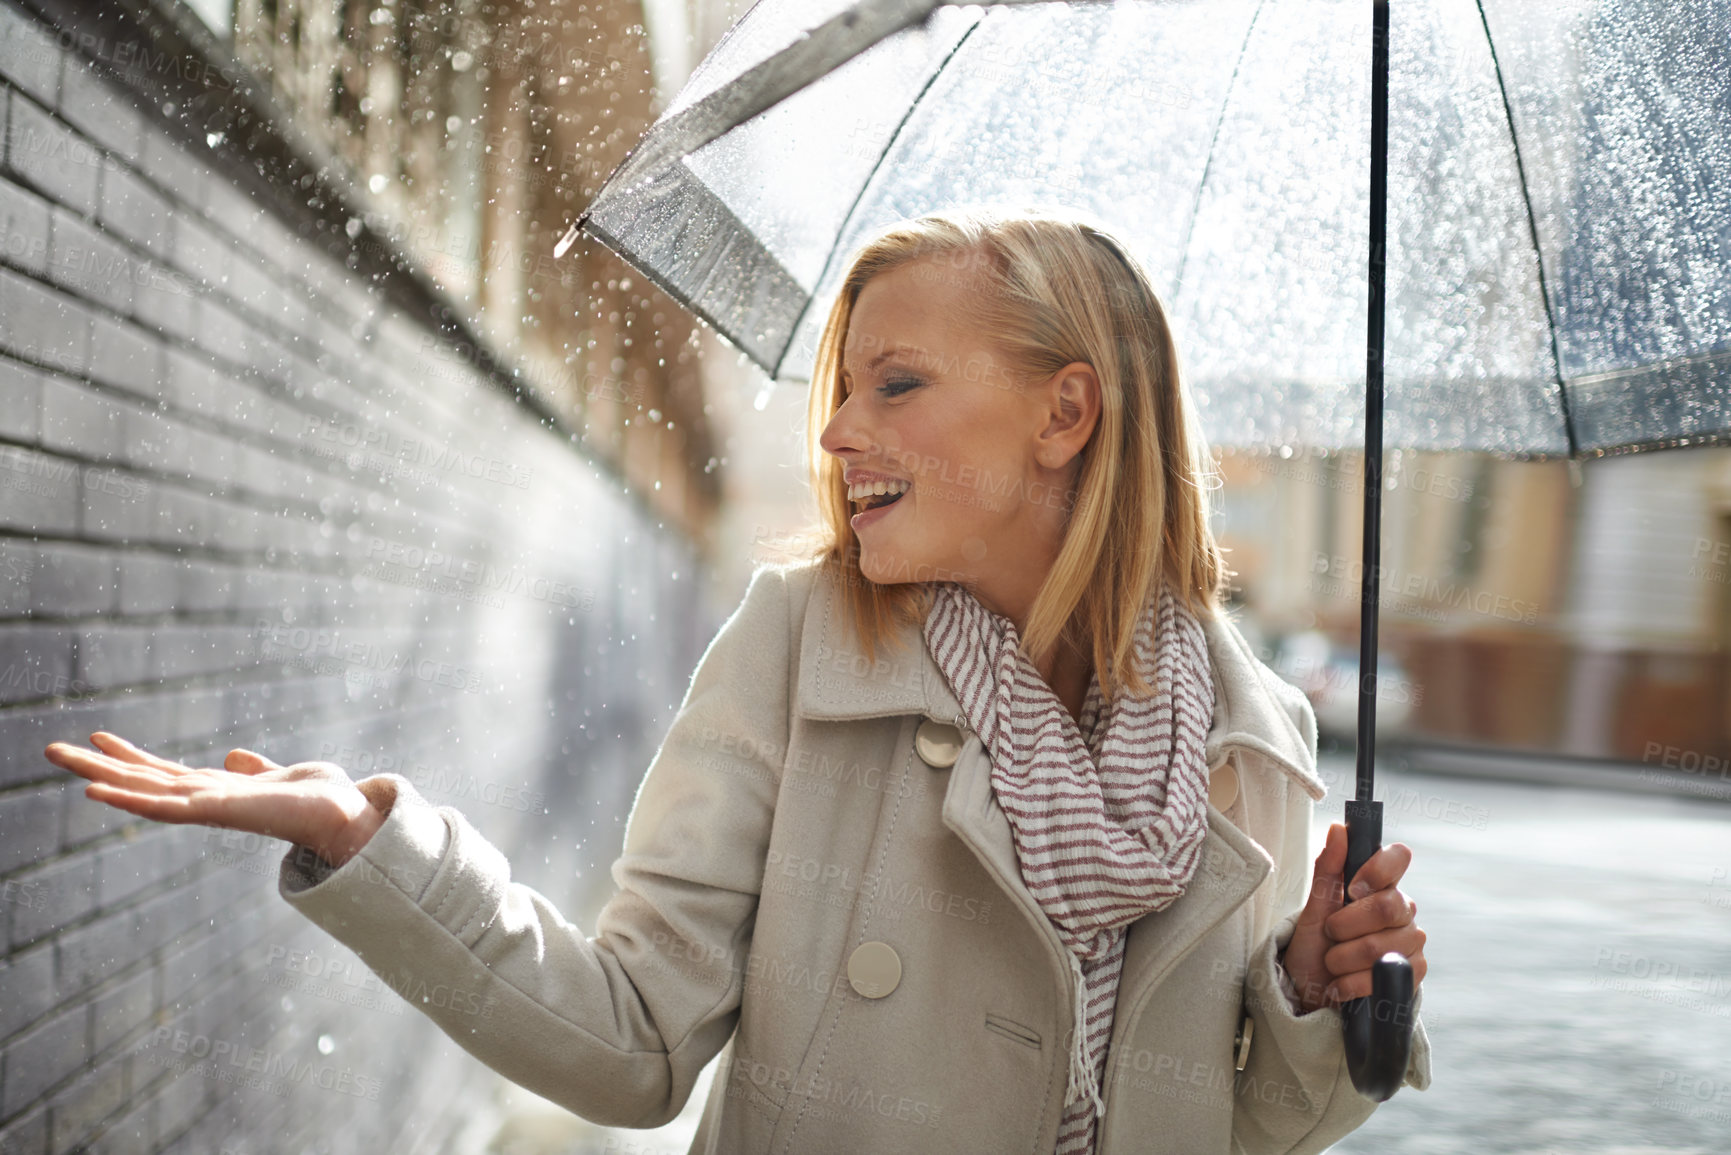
[{"x": 1559, "y": 195}]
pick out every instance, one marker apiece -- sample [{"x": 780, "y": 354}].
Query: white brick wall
[{"x": 244, "y": 501}]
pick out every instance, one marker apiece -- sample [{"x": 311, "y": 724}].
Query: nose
[{"x": 845, "y": 432}]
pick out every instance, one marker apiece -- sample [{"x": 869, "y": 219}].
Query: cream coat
[{"x": 788, "y": 818}]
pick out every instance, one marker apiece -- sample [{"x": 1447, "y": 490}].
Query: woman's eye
[{"x": 896, "y": 386}]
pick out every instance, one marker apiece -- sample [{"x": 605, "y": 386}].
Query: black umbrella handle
[{"x": 1377, "y": 1028}]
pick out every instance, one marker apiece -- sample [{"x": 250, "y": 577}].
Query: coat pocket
[{"x": 1011, "y": 1029}]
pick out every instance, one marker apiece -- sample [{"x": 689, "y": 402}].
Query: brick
[
  {"x": 52, "y": 158},
  {"x": 178, "y": 1105},
  {"x": 20, "y": 400},
  {"x": 132, "y": 208},
  {"x": 113, "y": 655},
  {"x": 193, "y": 384},
  {"x": 72, "y": 579},
  {"x": 221, "y": 333},
  {"x": 133, "y": 864},
  {"x": 23, "y": 228},
  {"x": 35, "y": 662},
  {"x": 203, "y": 711},
  {"x": 28, "y": 1134},
  {"x": 254, "y": 285},
  {"x": 148, "y": 582},
  {"x": 156, "y": 443},
  {"x": 86, "y": 819},
  {"x": 199, "y": 252},
  {"x": 164, "y": 918},
  {"x": 26, "y": 986},
  {"x": 38, "y": 493},
  {"x": 96, "y": 951},
  {"x": 80, "y": 422},
  {"x": 164, "y": 301},
  {"x": 44, "y": 1056},
  {"x": 29, "y": 825},
  {"x": 41, "y": 325},
  {"x": 82, "y": 259},
  {"x": 209, "y": 456},
  {"x": 132, "y": 1134},
  {"x": 76, "y": 1111},
  {"x": 126, "y": 356},
  {"x": 60, "y": 893},
  {"x": 166, "y": 161},
  {"x": 181, "y": 519},
  {"x": 17, "y": 563},
  {"x": 29, "y": 57},
  {"x": 122, "y": 1009},
  {"x": 25, "y": 730},
  {"x": 107, "y": 115},
  {"x": 116, "y": 506},
  {"x": 233, "y": 210},
  {"x": 187, "y": 967}
]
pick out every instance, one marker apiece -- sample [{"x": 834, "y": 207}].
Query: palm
[{"x": 252, "y": 793}]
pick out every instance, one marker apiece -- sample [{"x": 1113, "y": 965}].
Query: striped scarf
[{"x": 1108, "y": 815}]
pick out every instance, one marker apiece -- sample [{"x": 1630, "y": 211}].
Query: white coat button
[
  {"x": 874, "y": 969},
  {"x": 939, "y": 743},
  {"x": 1223, "y": 787}
]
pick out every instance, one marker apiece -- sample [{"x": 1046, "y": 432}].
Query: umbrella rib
[
  {"x": 814, "y": 55},
  {"x": 1208, "y": 161},
  {"x": 1533, "y": 230},
  {"x": 847, "y": 218}
]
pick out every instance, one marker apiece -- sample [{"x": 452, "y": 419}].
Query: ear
[{"x": 1071, "y": 411}]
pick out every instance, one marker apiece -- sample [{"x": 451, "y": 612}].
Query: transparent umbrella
[
  {"x": 1549, "y": 208},
  {"x": 1559, "y": 195}
]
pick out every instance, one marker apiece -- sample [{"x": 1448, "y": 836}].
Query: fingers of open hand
[
  {"x": 1358, "y": 985},
  {"x": 157, "y": 807},
  {"x": 106, "y": 768},
  {"x": 117, "y": 747},
  {"x": 155, "y": 788}
]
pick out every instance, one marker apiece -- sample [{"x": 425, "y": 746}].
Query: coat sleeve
[
  {"x": 1295, "y": 1095},
  {"x": 617, "y": 1027}
]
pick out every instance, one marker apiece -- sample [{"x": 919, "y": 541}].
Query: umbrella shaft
[{"x": 1372, "y": 568}]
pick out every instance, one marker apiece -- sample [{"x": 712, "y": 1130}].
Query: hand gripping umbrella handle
[{"x": 1377, "y": 1028}]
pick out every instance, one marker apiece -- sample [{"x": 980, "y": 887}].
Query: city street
[{"x": 1579, "y": 994}]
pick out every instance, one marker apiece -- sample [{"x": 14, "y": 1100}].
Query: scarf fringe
[{"x": 1081, "y": 1072}]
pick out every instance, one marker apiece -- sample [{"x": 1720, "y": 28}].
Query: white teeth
[{"x": 862, "y": 490}]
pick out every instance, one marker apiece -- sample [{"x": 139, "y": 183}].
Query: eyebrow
[{"x": 884, "y": 356}]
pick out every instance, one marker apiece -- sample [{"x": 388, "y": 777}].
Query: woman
[{"x": 989, "y": 767}]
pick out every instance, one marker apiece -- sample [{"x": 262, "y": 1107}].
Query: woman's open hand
[
  {"x": 1335, "y": 942},
  {"x": 312, "y": 804}
]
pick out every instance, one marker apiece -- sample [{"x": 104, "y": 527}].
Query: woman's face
[{"x": 931, "y": 403}]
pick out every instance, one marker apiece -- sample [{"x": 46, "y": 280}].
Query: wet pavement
[
  {"x": 1579, "y": 996},
  {"x": 1579, "y": 1000}
]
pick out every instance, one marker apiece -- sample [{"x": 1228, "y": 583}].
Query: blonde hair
[{"x": 1055, "y": 288}]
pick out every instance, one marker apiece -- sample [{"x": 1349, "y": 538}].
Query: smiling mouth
[{"x": 879, "y": 500}]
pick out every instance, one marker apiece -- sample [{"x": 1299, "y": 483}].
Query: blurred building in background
[
  {"x": 1525, "y": 605},
  {"x": 474, "y": 134}
]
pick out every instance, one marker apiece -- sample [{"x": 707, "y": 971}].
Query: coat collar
[{"x": 837, "y": 683}]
